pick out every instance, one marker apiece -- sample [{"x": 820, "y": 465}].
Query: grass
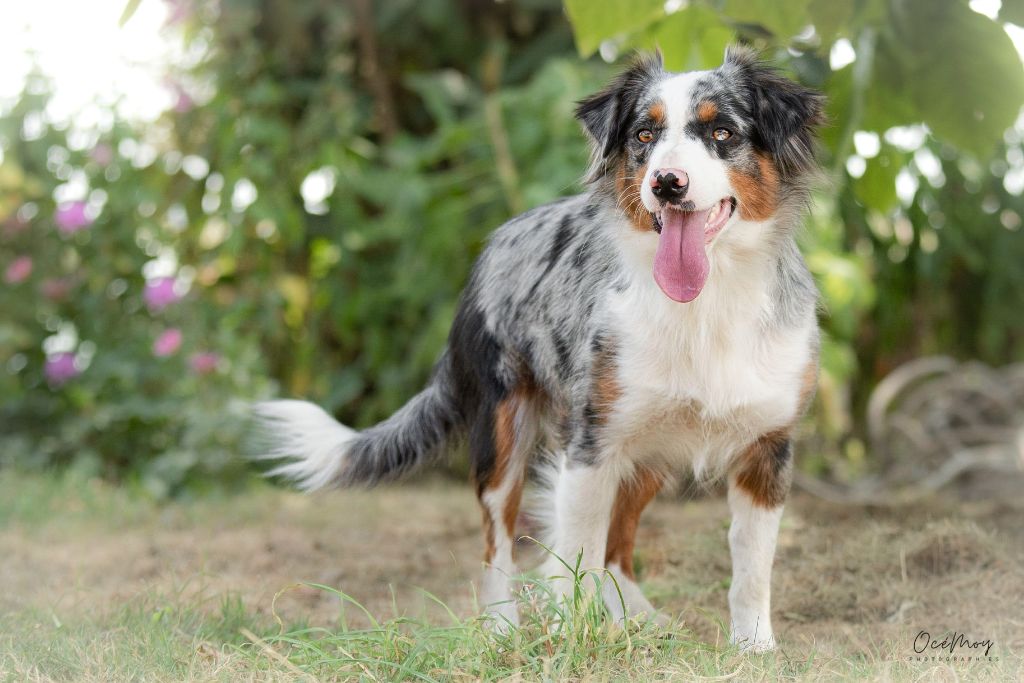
[
  {"x": 58, "y": 623},
  {"x": 154, "y": 639}
]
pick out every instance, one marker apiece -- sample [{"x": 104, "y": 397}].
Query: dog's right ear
[{"x": 607, "y": 114}]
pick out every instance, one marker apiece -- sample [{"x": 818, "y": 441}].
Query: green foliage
[
  {"x": 413, "y": 129},
  {"x": 425, "y": 161},
  {"x": 119, "y": 408},
  {"x": 595, "y": 22},
  {"x": 958, "y": 69}
]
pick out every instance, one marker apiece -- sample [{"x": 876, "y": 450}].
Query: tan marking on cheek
[
  {"x": 627, "y": 190},
  {"x": 633, "y": 496},
  {"x": 657, "y": 113},
  {"x": 707, "y": 111},
  {"x": 757, "y": 191},
  {"x": 762, "y": 474}
]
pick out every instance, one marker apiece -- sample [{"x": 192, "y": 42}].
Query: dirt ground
[{"x": 847, "y": 579}]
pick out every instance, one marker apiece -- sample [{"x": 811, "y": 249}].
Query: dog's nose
[{"x": 669, "y": 184}]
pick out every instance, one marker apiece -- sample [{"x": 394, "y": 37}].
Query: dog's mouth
[{"x": 681, "y": 262}]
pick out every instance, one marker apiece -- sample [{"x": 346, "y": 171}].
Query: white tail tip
[{"x": 312, "y": 443}]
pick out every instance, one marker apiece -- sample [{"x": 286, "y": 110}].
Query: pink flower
[
  {"x": 102, "y": 154},
  {"x": 177, "y": 12},
  {"x": 61, "y": 367},
  {"x": 71, "y": 217},
  {"x": 168, "y": 343},
  {"x": 160, "y": 293},
  {"x": 183, "y": 102},
  {"x": 204, "y": 363},
  {"x": 18, "y": 270}
]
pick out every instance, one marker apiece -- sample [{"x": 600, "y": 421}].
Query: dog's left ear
[
  {"x": 607, "y": 114},
  {"x": 786, "y": 114}
]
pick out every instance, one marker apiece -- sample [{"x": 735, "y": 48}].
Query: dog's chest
[{"x": 694, "y": 382}]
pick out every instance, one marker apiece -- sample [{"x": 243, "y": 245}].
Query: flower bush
[{"x": 113, "y": 358}]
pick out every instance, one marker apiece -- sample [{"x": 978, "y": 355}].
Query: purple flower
[
  {"x": 168, "y": 343},
  {"x": 61, "y": 367},
  {"x": 204, "y": 363},
  {"x": 71, "y": 217},
  {"x": 102, "y": 154},
  {"x": 18, "y": 270},
  {"x": 160, "y": 293}
]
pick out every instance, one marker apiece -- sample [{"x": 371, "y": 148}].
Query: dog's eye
[
  {"x": 721, "y": 134},
  {"x": 645, "y": 135}
]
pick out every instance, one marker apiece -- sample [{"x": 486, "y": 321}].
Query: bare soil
[{"x": 847, "y": 579}]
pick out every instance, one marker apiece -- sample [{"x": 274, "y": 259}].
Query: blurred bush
[
  {"x": 116, "y": 357},
  {"x": 307, "y": 213}
]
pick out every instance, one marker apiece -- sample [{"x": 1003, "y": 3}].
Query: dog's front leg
[
  {"x": 584, "y": 496},
  {"x": 757, "y": 490}
]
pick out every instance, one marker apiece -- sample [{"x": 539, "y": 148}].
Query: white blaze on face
[
  {"x": 676, "y": 148},
  {"x": 681, "y": 265}
]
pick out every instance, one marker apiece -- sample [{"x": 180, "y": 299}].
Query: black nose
[{"x": 670, "y": 184}]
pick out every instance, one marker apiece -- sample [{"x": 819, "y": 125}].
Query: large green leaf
[
  {"x": 1012, "y": 11},
  {"x": 958, "y": 68},
  {"x": 784, "y": 18},
  {"x": 129, "y": 11},
  {"x": 594, "y": 21},
  {"x": 691, "y": 39}
]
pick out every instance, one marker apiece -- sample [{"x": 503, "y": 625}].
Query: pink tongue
[{"x": 681, "y": 264}]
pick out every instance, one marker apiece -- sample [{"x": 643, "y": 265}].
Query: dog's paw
[
  {"x": 502, "y": 617},
  {"x": 751, "y": 643}
]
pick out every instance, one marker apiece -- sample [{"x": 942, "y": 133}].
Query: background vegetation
[{"x": 302, "y": 220}]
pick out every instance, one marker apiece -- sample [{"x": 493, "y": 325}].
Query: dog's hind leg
[
  {"x": 635, "y": 492},
  {"x": 513, "y": 430}
]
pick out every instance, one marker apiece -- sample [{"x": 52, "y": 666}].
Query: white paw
[
  {"x": 624, "y": 599},
  {"x": 751, "y": 641},
  {"x": 502, "y": 617}
]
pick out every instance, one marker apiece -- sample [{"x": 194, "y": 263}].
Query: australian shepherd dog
[{"x": 664, "y": 319}]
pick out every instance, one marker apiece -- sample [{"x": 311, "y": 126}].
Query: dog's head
[{"x": 702, "y": 157}]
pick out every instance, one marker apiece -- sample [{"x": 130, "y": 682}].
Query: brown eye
[
  {"x": 645, "y": 136},
  {"x": 721, "y": 134}
]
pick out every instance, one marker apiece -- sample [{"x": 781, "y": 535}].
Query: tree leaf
[
  {"x": 594, "y": 21},
  {"x": 691, "y": 39},
  {"x": 129, "y": 11},
  {"x": 1012, "y": 11},
  {"x": 958, "y": 68},
  {"x": 784, "y": 18}
]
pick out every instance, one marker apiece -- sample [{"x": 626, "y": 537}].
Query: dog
[{"x": 664, "y": 319}]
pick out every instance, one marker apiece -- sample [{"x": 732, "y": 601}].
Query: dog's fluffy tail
[{"x": 323, "y": 453}]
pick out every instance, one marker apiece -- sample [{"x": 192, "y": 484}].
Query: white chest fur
[{"x": 700, "y": 381}]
